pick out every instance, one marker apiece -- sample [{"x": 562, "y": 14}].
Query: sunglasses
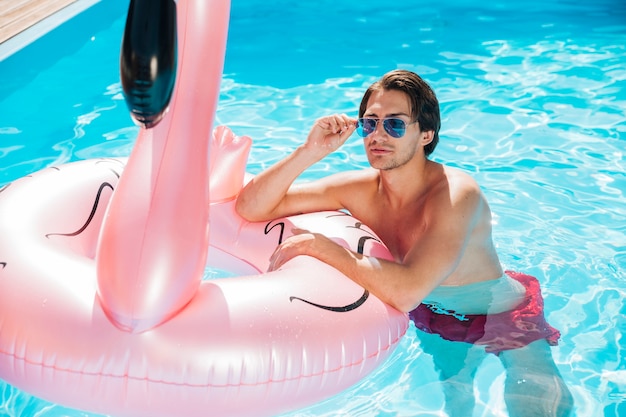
[{"x": 393, "y": 126}]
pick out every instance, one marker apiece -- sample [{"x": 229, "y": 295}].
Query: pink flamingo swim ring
[{"x": 102, "y": 303}]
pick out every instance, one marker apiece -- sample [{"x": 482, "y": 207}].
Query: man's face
[{"x": 384, "y": 151}]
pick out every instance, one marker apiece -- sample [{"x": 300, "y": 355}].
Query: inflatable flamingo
[{"x": 102, "y": 303}]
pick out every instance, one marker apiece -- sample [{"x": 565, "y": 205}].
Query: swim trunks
[{"x": 497, "y": 332}]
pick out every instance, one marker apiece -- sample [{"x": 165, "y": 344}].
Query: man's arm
[
  {"x": 403, "y": 285},
  {"x": 269, "y": 195}
]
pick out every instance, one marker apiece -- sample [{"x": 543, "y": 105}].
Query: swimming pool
[{"x": 533, "y": 100}]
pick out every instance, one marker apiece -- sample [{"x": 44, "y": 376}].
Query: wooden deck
[{"x": 18, "y": 15}]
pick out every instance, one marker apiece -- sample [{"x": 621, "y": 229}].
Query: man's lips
[{"x": 379, "y": 151}]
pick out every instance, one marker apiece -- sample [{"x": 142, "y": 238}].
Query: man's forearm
[
  {"x": 369, "y": 272},
  {"x": 391, "y": 282}
]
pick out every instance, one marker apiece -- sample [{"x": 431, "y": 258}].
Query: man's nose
[{"x": 379, "y": 132}]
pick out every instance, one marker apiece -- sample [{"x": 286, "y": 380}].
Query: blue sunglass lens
[
  {"x": 366, "y": 126},
  {"x": 394, "y": 127}
]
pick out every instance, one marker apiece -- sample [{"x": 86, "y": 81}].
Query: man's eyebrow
[{"x": 366, "y": 114}]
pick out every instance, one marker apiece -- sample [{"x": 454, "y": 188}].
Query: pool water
[{"x": 533, "y": 100}]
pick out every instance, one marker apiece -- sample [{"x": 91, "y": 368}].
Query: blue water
[{"x": 533, "y": 100}]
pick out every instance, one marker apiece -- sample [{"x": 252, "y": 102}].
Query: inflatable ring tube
[
  {"x": 260, "y": 344},
  {"x": 87, "y": 252}
]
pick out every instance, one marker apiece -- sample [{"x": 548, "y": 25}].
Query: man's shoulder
[
  {"x": 457, "y": 187},
  {"x": 460, "y": 180}
]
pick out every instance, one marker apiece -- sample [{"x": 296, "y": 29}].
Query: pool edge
[{"x": 39, "y": 29}]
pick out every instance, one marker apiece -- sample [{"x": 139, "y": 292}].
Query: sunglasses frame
[{"x": 393, "y": 132}]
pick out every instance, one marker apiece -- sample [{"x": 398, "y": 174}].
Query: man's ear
[{"x": 428, "y": 137}]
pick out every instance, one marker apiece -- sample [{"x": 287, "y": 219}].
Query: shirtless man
[{"x": 434, "y": 219}]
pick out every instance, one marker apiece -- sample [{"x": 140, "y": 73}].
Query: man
[{"x": 434, "y": 219}]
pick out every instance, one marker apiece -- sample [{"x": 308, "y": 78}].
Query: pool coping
[{"x": 42, "y": 27}]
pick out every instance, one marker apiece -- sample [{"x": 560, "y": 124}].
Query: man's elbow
[
  {"x": 402, "y": 303},
  {"x": 405, "y": 307},
  {"x": 408, "y": 299},
  {"x": 244, "y": 210}
]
